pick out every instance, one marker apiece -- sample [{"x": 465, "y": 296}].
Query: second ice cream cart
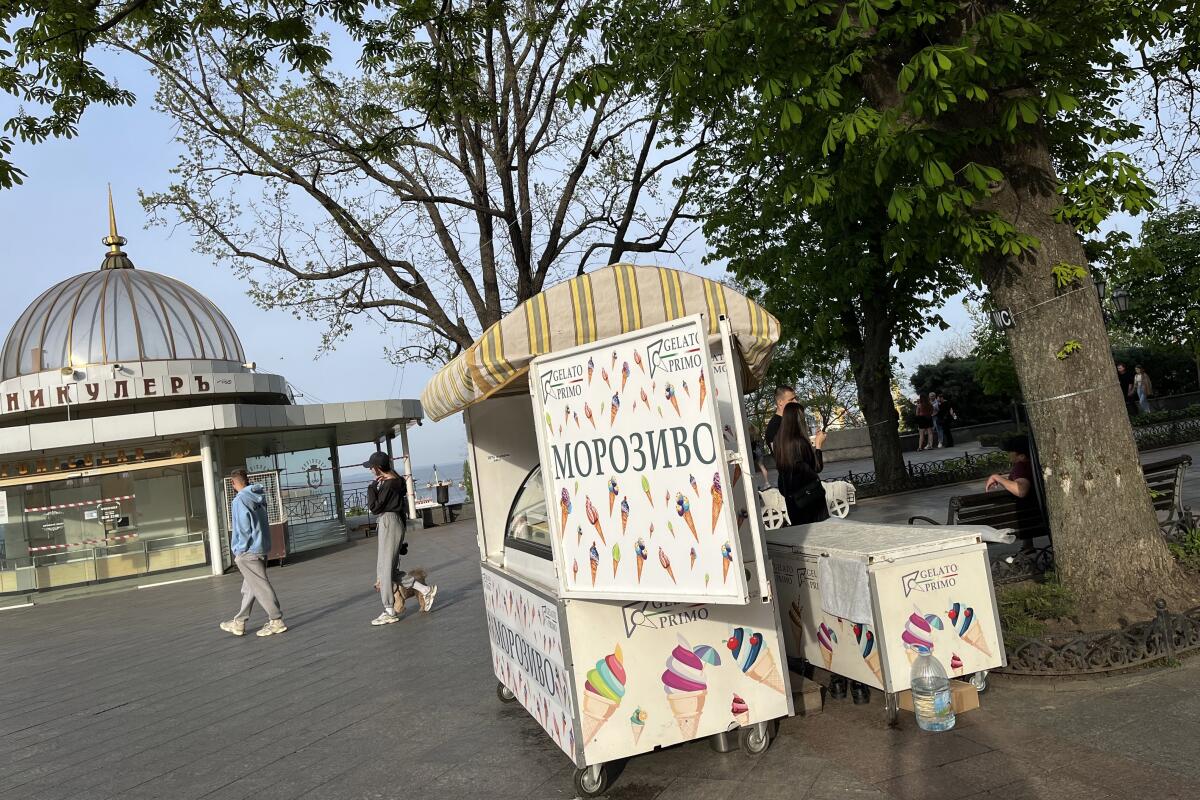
[{"x": 626, "y": 582}]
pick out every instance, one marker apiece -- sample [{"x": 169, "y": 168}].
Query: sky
[{"x": 53, "y": 224}]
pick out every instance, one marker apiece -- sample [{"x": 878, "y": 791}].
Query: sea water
[{"x": 931, "y": 694}]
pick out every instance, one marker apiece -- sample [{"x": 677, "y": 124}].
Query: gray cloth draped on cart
[{"x": 845, "y": 588}]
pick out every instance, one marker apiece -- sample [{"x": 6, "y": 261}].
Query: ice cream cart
[
  {"x": 625, "y": 576},
  {"x": 863, "y": 600}
]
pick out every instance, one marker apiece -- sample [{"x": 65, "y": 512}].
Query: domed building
[{"x": 125, "y": 398}]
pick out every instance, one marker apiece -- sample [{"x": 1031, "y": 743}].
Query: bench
[{"x": 1025, "y": 518}]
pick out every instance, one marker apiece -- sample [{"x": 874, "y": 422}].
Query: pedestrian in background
[
  {"x": 1125, "y": 378},
  {"x": 948, "y": 415},
  {"x": 936, "y": 403},
  {"x": 798, "y": 462},
  {"x": 250, "y": 545},
  {"x": 924, "y": 423},
  {"x": 1143, "y": 387},
  {"x": 387, "y": 499},
  {"x": 783, "y": 396}
]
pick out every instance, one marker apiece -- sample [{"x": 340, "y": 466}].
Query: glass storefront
[{"x": 96, "y": 527}]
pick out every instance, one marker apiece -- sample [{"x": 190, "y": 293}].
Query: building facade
[{"x": 125, "y": 398}]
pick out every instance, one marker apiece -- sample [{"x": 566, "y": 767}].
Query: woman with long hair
[
  {"x": 925, "y": 438},
  {"x": 387, "y": 499},
  {"x": 798, "y": 461}
]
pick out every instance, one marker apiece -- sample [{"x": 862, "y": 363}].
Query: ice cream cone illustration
[
  {"x": 574, "y": 571},
  {"x": 736, "y": 475},
  {"x": 646, "y": 489},
  {"x": 637, "y": 723},
  {"x": 740, "y": 711},
  {"x": 624, "y": 514},
  {"x": 613, "y": 366},
  {"x": 593, "y": 517},
  {"x": 645, "y": 399},
  {"x": 616, "y": 553},
  {"x": 870, "y": 653},
  {"x": 549, "y": 423},
  {"x": 695, "y": 486},
  {"x": 685, "y": 684},
  {"x": 751, "y": 654},
  {"x": 591, "y": 366},
  {"x": 963, "y": 619},
  {"x": 566, "y": 415},
  {"x": 706, "y": 581},
  {"x": 686, "y": 390},
  {"x": 640, "y": 553},
  {"x": 604, "y": 376},
  {"x": 624, "y": 374},
  {"x": 692, "y": 558},
  {"x": 637, "y": 359},
  {"x": 564, "y": 502},
  {"x": 594, "y": 561},
  {"x": 718, "y": 499},
  {"x": 726, "y": 560},
  {"x": 578, "y": 535},
  {"x": 669, "y": 393},
  {"x": 670, "y": 527},
  {"x": 575, "y": 418},
  {"x": 918, "y": 634},
  {"x": 684, "y": 509},
  {"x": 666, "y": 563},
  {"x": 826, "y": 639},
  {"x": 602, "y": 692},
  {"x": 703, "y": 389},
  {"x": 613, "y": 409},
  {"x": 956, "y": 665},
  {"x": 612, "y": 494},
  {"x": 796, "y": 618},
  {"x": 587, "y": 413}
]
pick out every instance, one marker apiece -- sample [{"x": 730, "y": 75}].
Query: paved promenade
[{"x": 139, "y": 695}]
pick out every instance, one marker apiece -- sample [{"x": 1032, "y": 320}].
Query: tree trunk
[
  {"x": 1108, "y": 548},
  {"x": 873, "y": 378}
]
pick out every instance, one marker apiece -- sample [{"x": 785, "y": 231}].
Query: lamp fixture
[{"x": 1121, "y": 300}]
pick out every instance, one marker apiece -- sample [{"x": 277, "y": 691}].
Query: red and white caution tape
[
  {"x": 84, "y": 543},
  {"x": 82, "y": 504}
]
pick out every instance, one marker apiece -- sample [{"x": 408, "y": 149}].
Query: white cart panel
[
  {"x": 673, "y": 663},
  {"x": 527, "y": 655},
  {"x": 636, "y": 477}
]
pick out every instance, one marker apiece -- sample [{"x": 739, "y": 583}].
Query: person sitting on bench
[{"x": 1019, "y": 482}]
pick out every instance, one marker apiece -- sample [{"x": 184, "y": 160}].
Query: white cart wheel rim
[{"x": 839, "y": 508}]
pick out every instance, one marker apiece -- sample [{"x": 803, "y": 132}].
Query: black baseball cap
[{"x": 379, "y": 461}]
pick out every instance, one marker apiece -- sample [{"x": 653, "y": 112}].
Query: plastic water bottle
[{"x": 931, "y": 694}]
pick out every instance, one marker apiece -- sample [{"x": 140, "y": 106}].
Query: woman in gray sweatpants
[{"x": 387, "y": 499}]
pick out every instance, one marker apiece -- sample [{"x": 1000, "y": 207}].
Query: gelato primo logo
[
  {"x": 674, "y": 354},
  {"x": 930, "y": 580},
  {"x": 657, "y": 616},
  {"x": 562, "y": 384}
]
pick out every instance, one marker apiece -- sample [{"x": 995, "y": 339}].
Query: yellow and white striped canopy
[{"x": 604, "y": 303}]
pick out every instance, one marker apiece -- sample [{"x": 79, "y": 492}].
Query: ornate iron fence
[
  {"x": 1165, "y": 434},
  {"x": 1165, "y": 637},
  {"x": 926, "y": 474}
]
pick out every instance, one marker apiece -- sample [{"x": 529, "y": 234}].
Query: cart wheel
[
  {"x": 772, "y": 518},
  {"x": 980, "y": 681},
  {"x": 891, "y": 709},
  {"x": 505, "y": 694},
  {"x": 591, "y": 781},
  {"x": 755, "y": 739},
  {"x": 839, "y": 508}
]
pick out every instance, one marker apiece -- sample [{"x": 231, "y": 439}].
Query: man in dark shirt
[
  {"x": 1125, "y": 377},
  {"x": 1019, "y": 481},
  {"x": 783, "y": 396}
]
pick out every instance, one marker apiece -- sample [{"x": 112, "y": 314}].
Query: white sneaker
[
  {"x": 235, "y": 626},
  {"x": 385, "y": 619},
  {"x": 272, "y": 627},
  {"x": 427, "y": 599}
]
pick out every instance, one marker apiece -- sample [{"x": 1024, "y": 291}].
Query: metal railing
[
  {"x": 924, "y": 474},
  {"x": 28, "y": 572}
]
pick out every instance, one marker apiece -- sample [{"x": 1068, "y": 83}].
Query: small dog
[{"x": 400, "y": 594}]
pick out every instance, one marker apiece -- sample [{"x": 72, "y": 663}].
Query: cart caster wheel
[
  {"x": 980, "y": 681},
  {"x": 891, "y": 709},
  {"x": 505, "y": 694},
  {"x": 591, "y": 781},
  {"x": 755, "y": 739}
]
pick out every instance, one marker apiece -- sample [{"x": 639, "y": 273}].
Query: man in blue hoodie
[{"x": 251, "y": 543}]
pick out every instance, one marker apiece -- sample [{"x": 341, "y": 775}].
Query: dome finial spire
[{"x": 115, "y": 258}]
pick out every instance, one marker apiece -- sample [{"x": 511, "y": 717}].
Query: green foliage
[
  {"x": 1069, "y": 348},
  {"x": 1162, "y": 277},
  {"x": 468, "y": 484},
  {"x": 1066, "y": 275},
  {"x": 956, "y": 378},
  {"x": 1025, "y": 608},
  {"x": 1186, "y": 549},
  {"x": 1156, "y": 417}
]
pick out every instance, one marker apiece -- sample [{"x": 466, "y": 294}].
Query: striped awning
[{"x": 604, "y": 303}]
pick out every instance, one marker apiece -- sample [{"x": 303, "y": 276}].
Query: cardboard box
[{"x": 963, "y": 697}]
